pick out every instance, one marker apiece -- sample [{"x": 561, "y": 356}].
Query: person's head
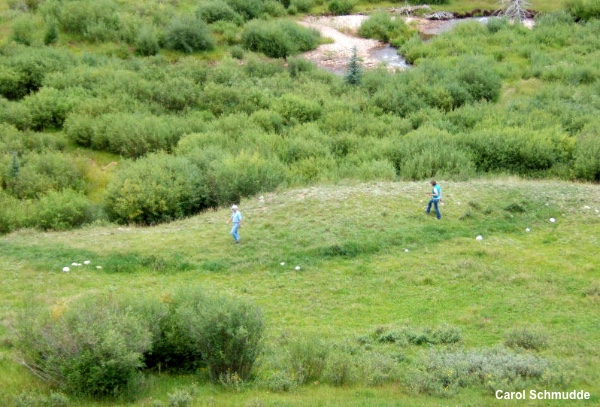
[
  {"x": 433, "y": 182},
  {"x": 234, "y": 208}
]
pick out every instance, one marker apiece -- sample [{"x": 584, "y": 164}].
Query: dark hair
[{"x": 433, "y": 182}]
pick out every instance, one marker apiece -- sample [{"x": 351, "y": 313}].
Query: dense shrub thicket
[
  {"x": 279, "y": 39},
  {"x": 100, "y": 345},
  {"x": 478, "y": 99}
]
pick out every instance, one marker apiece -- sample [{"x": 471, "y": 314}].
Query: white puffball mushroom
[
  {"x": 86, "y": 262},
  {"x": 552, "y": 220},
  {"x": 282, "y": 263},
  {"x": 527, "y": 230},
  {"x": 479, "y": 237},
  {"x": 406, "y": 250},
  {"x": 66, "y": 269},
  {"x": 98, "y": 267},
  {"x": 297, "y": 268}
]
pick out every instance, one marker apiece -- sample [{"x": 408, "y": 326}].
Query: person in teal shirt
[
  {"x": 436, "y": 196},
  {"x": 236, "y": 218}
]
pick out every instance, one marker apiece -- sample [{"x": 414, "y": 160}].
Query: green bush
[
  {"x": 340, "y": 369},
  {"x": 248, "y": 9},
  {"x": 232, "y": 334},
  {"x": 146, "y": 43},
  {"x": 221, "y": 100},
  {"x": 51, "y": 33},
  {"x": 444, "y": 373},
  {"x": 298, "y": 65},
  {"x": 306, "y": 359},
  {"x": 217, "y": 10},
  {"x": 340, "y": 7},
  {"x": 44, "y": 172},
  {"x": 302, "y": 6},
  {"x": 130, "y": 135},
  {"x": 279, "y": 39},
  {"x": 13, "y": 141},
  {"x": 526, "y": 339},
  {"x": 274, "y": 8},
  {"x": 35, "y": 399},
  {"x": 519, "y": 150},
  {"x": 155, "y": 189},
  {"x": 92, "y": 20},
  {"x": 479, "y": 78},
  {"x": 25, "y": 70},
  {"x": 62, "y": 210},
  {"x": 429, "y": 153},
  {"x": 49, "y": 107},
  {"x": 587, "y": 153},
  {"x": 583, "y": 9},
  {"x": 382, "y": 27},
  {"x": 13, "y": 213},
  {"x": 15, "y": 114},
  {"x": 202, "y": 330},
  {"x": 268, "y": 120},
  {"x": 92, "y": 346},
  {"x": 188, "y": 35},
  {"x": 237, "y": 52},
  {"x": 23, "y": 30},
  {"x": 294, "y": 108},
  {"x": 243, "y": 175}
]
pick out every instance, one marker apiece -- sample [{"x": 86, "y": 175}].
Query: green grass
[{"x": 356, "y": 276}]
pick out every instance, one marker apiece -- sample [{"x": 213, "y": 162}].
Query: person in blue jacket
[
  {"x": 436, "y": 197},
  {"x": 236, "y": 218}
]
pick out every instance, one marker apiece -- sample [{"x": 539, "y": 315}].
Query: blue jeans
[
  {"x": 434, "y": 201},
  {"x": 234, "y": 232}
]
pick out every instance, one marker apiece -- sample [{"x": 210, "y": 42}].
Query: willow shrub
[
  {"x": 154, "y": 189},
  {"x": 91, "y": 346},
  {"x": 146, "y": 42},
  {"x": 14, "y": 213},
  {"x": 382, "y": 27},
  {"x": 297, "y": 109},
  {"x": 49, "y": 107},
  {"x": 587, "y": 153},
  {"x": 92, "y": 20},
  {"x": 217, "y": 10},
  {"x": 518, "y": 150},
  {"x": 279, "y": 38},
  {"x": 248, "y": 9},
  {"x": 62, "y": 210},
  {"x": 195, "y": 329},
  {"x": 23, "y": 69},
  {"x": 44, "y": 172},
  {"x": 23, "y": 30},
  {"x": 583, "y": 9},
  {"x": 243, "y": 175},
  {"x": 428, "y": 152},
  {"x": 224, "y": 99},
  {"x": 188, "y": 35},
  {"x": 131, "y": 135}
]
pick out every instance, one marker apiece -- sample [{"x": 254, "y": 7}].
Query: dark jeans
[{"x": 434, "y": 201}]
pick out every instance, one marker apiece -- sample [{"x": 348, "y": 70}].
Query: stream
[{"x": 342, "y": 31}]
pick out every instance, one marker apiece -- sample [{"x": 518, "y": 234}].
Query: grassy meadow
[{"x": 370, "y": 261}]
